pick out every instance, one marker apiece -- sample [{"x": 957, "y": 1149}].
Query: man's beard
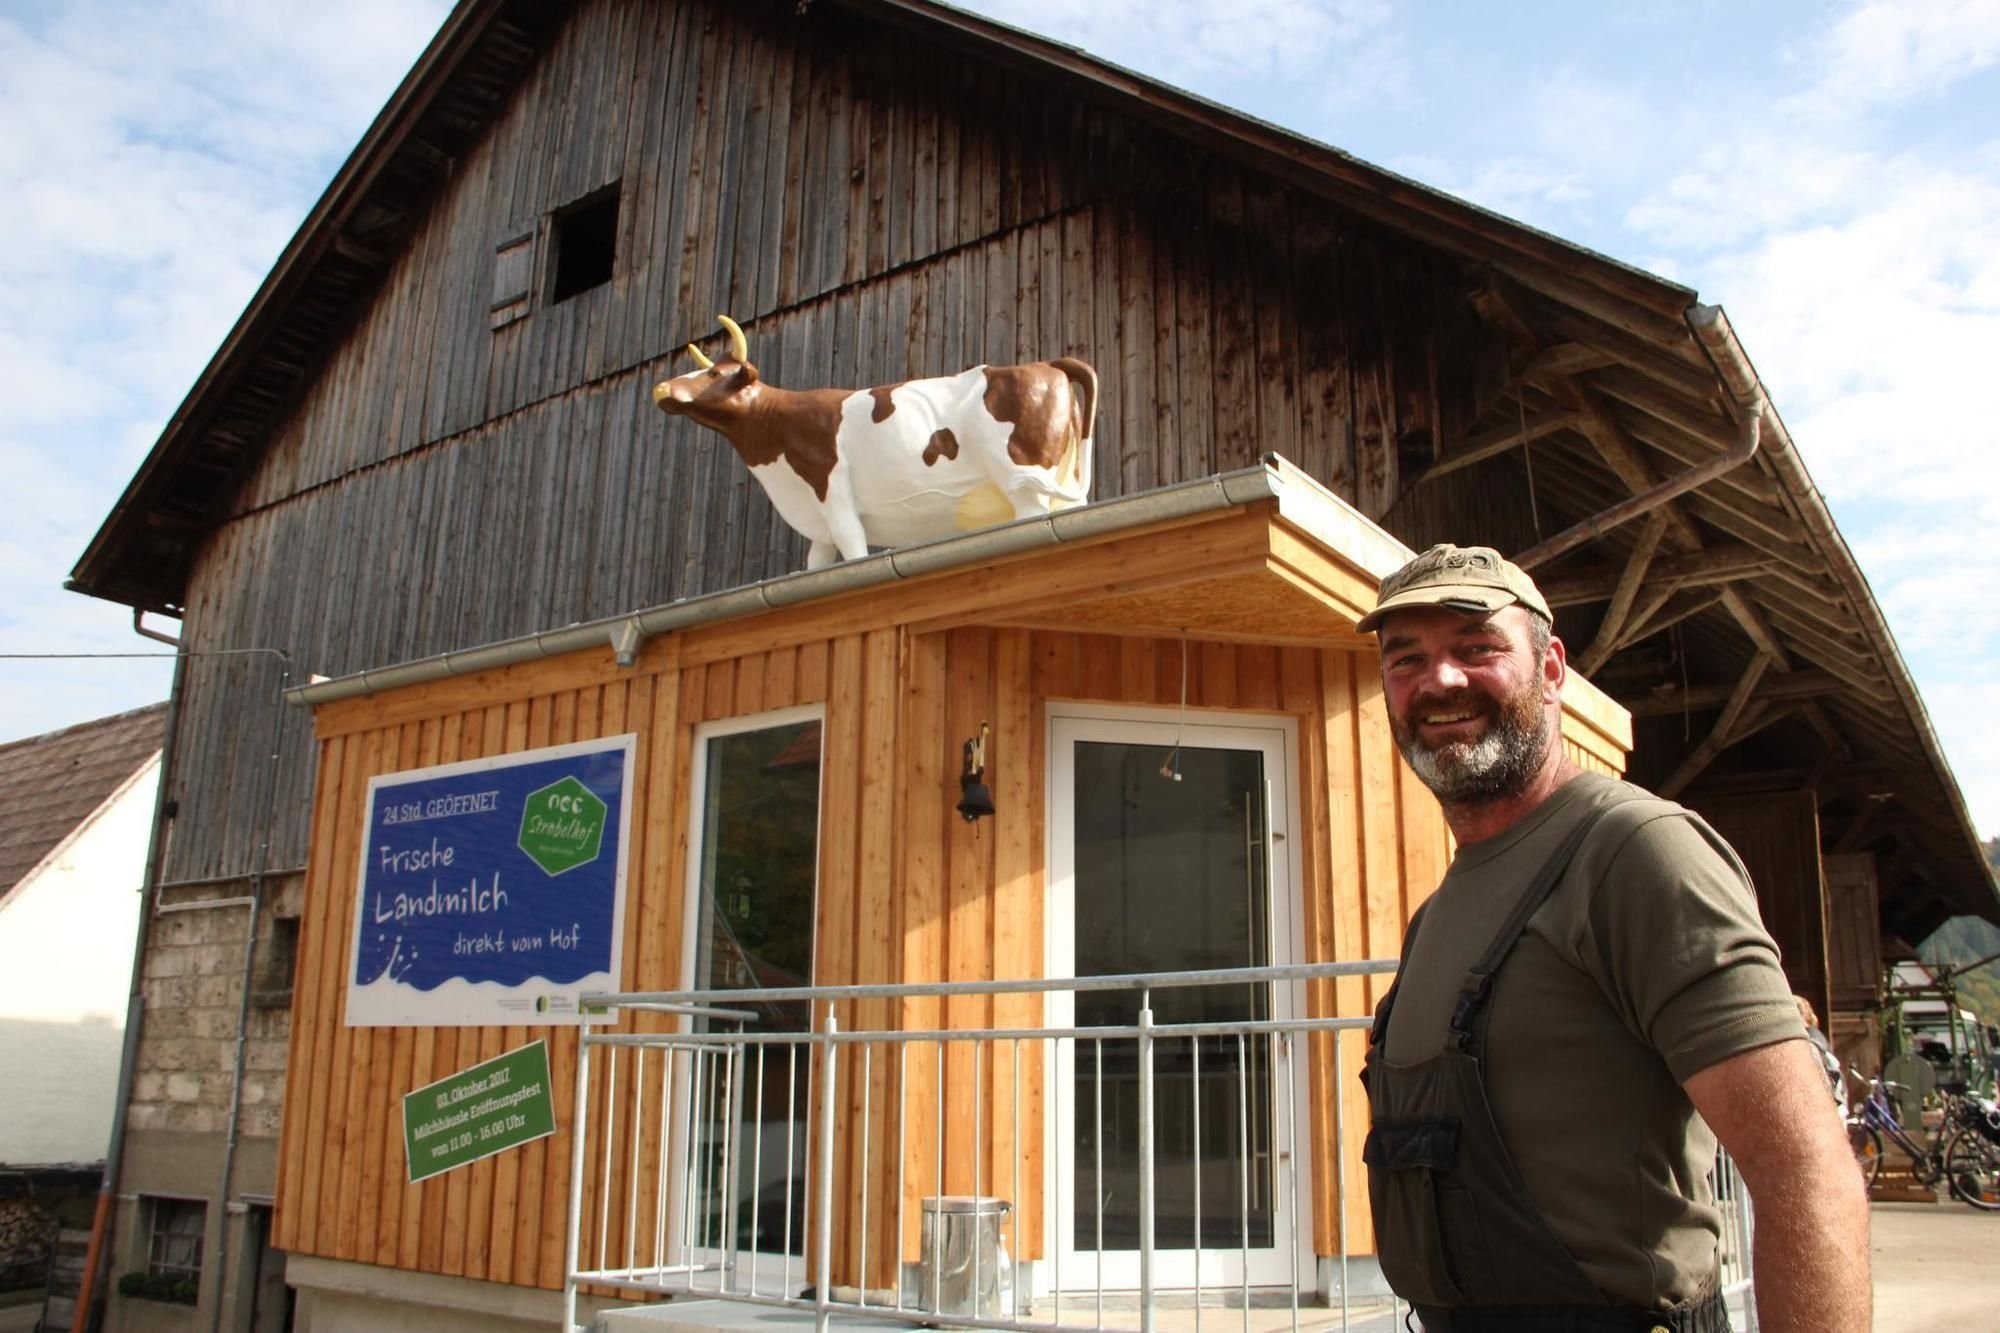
[{"x": 1498, "y": 765}]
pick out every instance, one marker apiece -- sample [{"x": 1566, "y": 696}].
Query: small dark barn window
[
  {"x": 585, "y": 236},
  {"x": 278, "y": 950}
]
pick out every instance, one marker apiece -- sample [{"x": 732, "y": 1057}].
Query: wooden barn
[{"x": 424, "y": 470}]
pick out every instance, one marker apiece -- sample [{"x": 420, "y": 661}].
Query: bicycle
[{"x": 1965, "y": 1154}]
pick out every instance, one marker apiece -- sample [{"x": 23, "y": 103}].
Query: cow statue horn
[
  {"x": 739, "y": 346},
  {"x": 699, "y": 359}
]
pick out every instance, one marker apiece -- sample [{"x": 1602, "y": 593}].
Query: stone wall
[{"x": 192, "y": 983}]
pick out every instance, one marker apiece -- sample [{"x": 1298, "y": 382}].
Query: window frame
[
  {"x": 790, "y": 1270},
  {"x": 705, "y": 732},
  {"x": 159, "y": 1208}
]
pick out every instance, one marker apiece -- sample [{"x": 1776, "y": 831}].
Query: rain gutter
[
  {"x": 1712, "y": 329},
  {"x": 623, "y": 634}
]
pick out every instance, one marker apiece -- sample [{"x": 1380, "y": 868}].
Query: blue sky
[{"x": 1830, "y": 173}]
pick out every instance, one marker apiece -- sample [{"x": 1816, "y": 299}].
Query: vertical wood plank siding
[
  {"x": 871, "y": 209},
  {"x": 907, "y": 891}
]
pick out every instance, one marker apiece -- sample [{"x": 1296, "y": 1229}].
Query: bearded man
[{"x": 1585, "y": 1006}]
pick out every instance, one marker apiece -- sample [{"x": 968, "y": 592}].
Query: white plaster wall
[{"x": 66, "y": 936}]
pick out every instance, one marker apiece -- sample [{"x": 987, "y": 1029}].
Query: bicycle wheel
[
  {"x": 1866, "y": 1142},
  {"x": 1972, "y": 1168}
]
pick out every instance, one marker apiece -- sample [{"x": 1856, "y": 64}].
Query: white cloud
[
  {"x": 1879, "y": 333},
  {"x": 1887, "y": 51},
  {"x": 1959, "y": 711},
  {"x": 155, "y": 159}
]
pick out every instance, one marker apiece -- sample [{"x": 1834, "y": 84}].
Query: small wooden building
[{"x": 1059, "y": 632}]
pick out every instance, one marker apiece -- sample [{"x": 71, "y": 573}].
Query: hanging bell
[
  {"x": 975, "y": 797},
  {"x": 976, "y": 800}
]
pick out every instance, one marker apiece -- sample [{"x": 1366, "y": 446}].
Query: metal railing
[
  {"x": 848, "y": 1163},
  {"x": 1738, "y": 1278}
]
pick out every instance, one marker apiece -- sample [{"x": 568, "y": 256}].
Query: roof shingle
[{"x": 51, "y": 783}]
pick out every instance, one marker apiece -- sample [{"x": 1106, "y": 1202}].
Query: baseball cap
[{"x": 1471, "y": 579}]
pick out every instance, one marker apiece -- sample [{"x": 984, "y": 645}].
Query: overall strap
[{"x": 1478, "y": 984}]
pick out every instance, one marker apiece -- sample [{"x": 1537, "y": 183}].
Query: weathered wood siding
[
  {"x": 871, "y": 209},
  {"x": 1853, "y": 930},
  {"x": 1777, "y": 835}
]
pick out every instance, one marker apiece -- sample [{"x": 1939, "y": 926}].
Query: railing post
[
  {"x": 578, "y": 1120},
  {"x": 732, "y": 1161},
  {"x": 823, "y": 1238},
  {"x": 1145, "y": 1165},
  {"x": 1746, "y": 1246}
]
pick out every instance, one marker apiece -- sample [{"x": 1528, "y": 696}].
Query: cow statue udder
[{"x": 902, "y": 463}]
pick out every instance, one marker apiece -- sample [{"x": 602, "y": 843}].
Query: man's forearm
[
  {"x": 1770, "y": 1109},
  {"x": 1811, "y": 1250}
]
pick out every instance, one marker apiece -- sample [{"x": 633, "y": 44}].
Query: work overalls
[{"x": 1456, "y": 1232}]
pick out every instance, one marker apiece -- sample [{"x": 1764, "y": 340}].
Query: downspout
[
  {"x": 139, "y": 628},
  {"x": 256, "y": 905},
  {"x": 1749, "y": 435},
  {"x": 135, "y": 1004}
]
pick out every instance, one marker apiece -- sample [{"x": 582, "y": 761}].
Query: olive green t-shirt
[{"x": 1647, "y": 964}]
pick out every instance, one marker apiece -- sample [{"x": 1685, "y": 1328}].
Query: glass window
[
  {"x": 173, "y": 1247},
  {"x": 758, "y": 863},
  {"x": 1170, "y": 877}
]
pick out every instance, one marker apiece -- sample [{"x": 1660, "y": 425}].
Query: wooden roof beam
[
  {"x": 1784, "y": 779},
  {"x": 1625, "y": 458},
  {"x": 1800, "y": 685},
  {"x": 1716, "y": 564},
  {"x": 1622, "y": 596},
  {"x": 1866, "y": 822},
  {"x": 1816, "y": 715},
  {"x": 1723, "y": 734},
  {"x": 1752, "y": 624},
  {"x": 1479, "y": 447},
  {"x": 1695, "y": 381},
  {"x": 1664, "y": 616}
]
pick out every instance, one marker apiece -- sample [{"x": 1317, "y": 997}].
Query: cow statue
[{"x": 903, "y": 463}]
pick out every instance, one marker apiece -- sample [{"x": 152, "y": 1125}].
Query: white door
[{"x": 1149, "y": 872}]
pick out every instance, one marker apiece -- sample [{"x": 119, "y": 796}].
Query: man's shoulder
[
  {"x": 1613, "y": 808},
  {"x": 1643, "y": 829},
  {"x": 1630, "y": 819}
]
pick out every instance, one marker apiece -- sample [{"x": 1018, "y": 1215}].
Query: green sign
[
  {"x": 480, "y": 1111},
  {"x": 562, "y": 826}
]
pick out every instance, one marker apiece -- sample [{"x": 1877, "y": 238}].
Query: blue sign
[{"x": 492, "y": 892}]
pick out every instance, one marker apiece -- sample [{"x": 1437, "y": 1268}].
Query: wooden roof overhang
[
  {"x": 1262, "y": 555},
  {"x": 1792, "y": 677}
]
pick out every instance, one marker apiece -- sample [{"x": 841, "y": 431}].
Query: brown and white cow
[{"x": 903, "y": 463}]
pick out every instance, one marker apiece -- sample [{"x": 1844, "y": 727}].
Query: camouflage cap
[{"x": 1471, "y": 579}]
